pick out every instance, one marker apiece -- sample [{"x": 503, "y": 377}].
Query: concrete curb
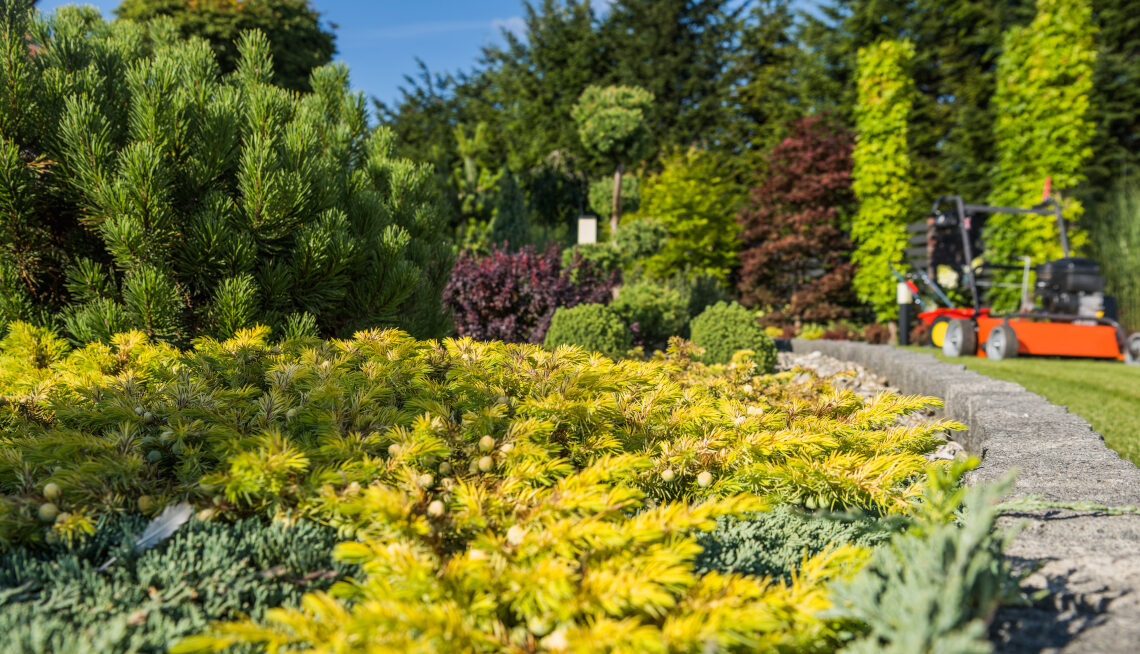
[{"x": 1090, "y": 562}]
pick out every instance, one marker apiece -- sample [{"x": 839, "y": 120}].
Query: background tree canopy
[{"x": 297, "y": 40}]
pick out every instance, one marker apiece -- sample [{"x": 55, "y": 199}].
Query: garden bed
[
  {"x": 498, "y": 497},
  {"x": 1086, "y": 558}
]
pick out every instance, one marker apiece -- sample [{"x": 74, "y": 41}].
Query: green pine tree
[
  {"x": 147, "y": 191},
  {"x": 511, "y": 226}
]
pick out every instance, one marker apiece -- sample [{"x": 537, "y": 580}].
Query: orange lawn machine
[{"x": 1069, "y": 315}]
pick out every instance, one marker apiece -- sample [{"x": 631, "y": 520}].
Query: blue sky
[{"x": 380, "y": 39}]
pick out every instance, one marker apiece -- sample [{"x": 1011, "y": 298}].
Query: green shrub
[
  {"x": 696, "y": 198},
  {"x": 593, "y": 327},
  {"x": 299, "y": 42},
  {"x": 497, "y": 494},
  {"x": 144, "y": 190},
  {"x": 725, "y": 328},
  {"x": 883, "y": 178},
  {"x": 653, "y": 312},
  {"x": 1043, "y": 128},
  {"x": 773, "y": 543},
  {"x": 54, "y": 600},
  {"x": 640, "y": 239},
  {"x": 601, "y": 195},
  {"x": 1116, "y": 242},
  {"x": 702, "y": 290},
  {"x": 603, "y": 258},
  {"x": 934, "y": 587}
]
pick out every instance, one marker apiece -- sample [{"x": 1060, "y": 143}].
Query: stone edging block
[
  {"x": 1088, "y": 562},
  {"x": 1056, "y": 453}
]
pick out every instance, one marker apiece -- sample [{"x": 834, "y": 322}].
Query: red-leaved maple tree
[{"x": 796, "y": 255}]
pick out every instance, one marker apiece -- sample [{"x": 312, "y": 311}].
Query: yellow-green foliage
[
  {"x": 882, "y": 178},
  {"x": 696, "y": 198},
  {"x": 1044, "y": 129},
  {"x": 498, "y": 496},
  {"x": 577, "y": 569}
]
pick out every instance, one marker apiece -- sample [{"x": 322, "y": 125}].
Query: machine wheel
[
  {"x": 1132, "y": 350},
  {"x": 961, "y": 338},
  {"x": 938, "y": 330},
  {"x": 1002, "y": 343}
]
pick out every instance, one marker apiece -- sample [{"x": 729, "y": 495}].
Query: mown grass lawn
[{"x": 1106, "y": 394}]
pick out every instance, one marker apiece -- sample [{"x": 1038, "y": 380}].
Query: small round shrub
[
  {"x": 724, "y": 328},
  {"x": 653, "y": 312},
  {"x": 591, "y": 326}
]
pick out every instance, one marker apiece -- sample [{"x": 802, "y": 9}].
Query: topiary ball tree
[
  {"x": 590, "y": 326},
  {"x": 612, "y": 126},
  {"x": 725, "y": 328}
]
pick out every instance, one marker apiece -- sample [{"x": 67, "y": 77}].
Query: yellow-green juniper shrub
[{"x": 498, "y": 496}]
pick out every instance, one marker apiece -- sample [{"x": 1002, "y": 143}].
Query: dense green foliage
[
  {"x": 56, "y": 601},
  {"x": 1115, "y": 240},
  {"x": 653, "y": 311},
  {"x": 601, "y": 197},
  {"x": 1044, "y": 129},
  {"x": 726, "y": 328},
  {"x": 1115, "y": 97},
  {"x": 460, "y": 465},
  {"x": 510, "y": 226},
  {"x": 695, "y": 198},
  {"x": 935, "y": 592},
  {"x": 773, "y": 543},
  {"x": 882, "y": 180},
  {"x": 594, "y": 327},
  {"x": 640, "y": 239},
  {"x": 957, "y": 43},
  {"x": 612, "y": 127},
  {"x": 297, "y": 41},
  {"x": 732, "y": 77},
  {"x": 144, "y": 190}
]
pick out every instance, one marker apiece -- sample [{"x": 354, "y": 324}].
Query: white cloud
[{"x": 515, "y": 25}]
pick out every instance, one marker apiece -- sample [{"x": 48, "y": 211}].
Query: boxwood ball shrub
[
  {"x": 593, "y": 327},
  {"x": 652, "y": 311},
  {"x": 726, "y": 327}
]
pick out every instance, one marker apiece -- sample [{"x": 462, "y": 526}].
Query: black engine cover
[
  {"x": 1070, "y": 275},
  {"x": 1062, "y": 283}
]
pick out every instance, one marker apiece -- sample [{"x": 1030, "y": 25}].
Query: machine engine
[{"x": 1070, "y": 286}]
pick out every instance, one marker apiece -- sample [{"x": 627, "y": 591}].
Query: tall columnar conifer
[
  {"x": 1044, "y": 129},
  {"x": 883, "y": 179},
  {"x": 142, "y": 189}
]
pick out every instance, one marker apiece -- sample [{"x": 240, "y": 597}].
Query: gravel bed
[{"x": 866, "y": 384}]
